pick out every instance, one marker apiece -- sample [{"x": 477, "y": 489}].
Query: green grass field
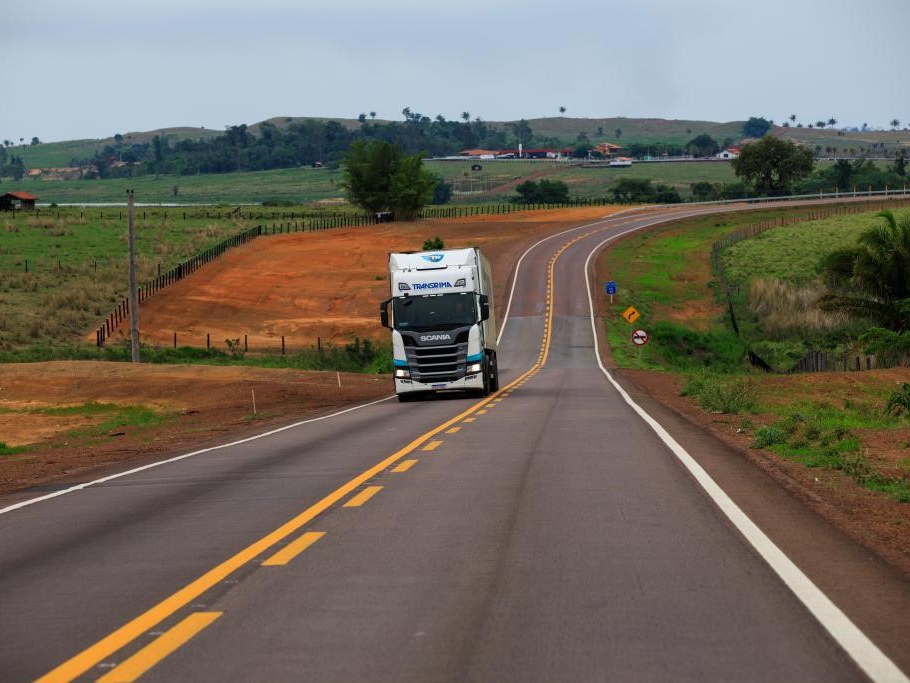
[
  {"x": 61, "y": 272},
  {"x": 298, "y": 185},
  {"x": 322, "y": 186}
]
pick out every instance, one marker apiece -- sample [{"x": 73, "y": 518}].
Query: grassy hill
[
  {"x": 642, "y": 131},
  {"x": 59, "y": 154},
  {"x": 563, "y": 128}
]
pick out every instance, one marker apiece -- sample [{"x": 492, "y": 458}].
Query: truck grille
[{"x": 432, "y": 364}]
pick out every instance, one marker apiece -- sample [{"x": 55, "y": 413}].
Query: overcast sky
[{"x": 94, "y": 68}]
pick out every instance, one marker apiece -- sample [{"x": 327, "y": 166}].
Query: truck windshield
[{"x": 434, "y": 311}]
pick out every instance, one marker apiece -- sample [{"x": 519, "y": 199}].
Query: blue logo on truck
[
  {"x": 431, "y": 285},
  {"x": 433, "y": 258}
]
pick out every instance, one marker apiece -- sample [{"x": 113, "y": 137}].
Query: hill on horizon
[{"x": 565, "y": 129}]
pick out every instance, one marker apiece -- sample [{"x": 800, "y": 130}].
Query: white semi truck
[{"x": 442, "y": 322}]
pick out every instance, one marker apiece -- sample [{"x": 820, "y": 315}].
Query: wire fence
[{"x": 175, "y": 274}]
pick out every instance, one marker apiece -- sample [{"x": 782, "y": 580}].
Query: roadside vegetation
[{"x": 787, "y": 301}]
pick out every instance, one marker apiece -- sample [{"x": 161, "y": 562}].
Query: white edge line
[
  {"x": 870, "y": 659},
  {"x": 79, "y": 487}
]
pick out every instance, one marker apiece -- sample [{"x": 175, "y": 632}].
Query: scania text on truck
[{"x": 442, "y": 321}]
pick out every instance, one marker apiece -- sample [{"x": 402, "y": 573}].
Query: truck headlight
[
  {"x": 474, "y": 368},
  {"x": 402, "y": 373}
]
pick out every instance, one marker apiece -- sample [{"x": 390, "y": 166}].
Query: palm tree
[
  {"x": 466, "y": 115},
  {"x": 832, "y": 122},
  {"x": 894, "y": 124},
  {"x": 562, "y": 110},
  {"x": 872, "y": 279},
  {"x": 793, "y": 118}
]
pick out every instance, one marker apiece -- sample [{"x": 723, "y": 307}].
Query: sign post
[{"x": 611, "y": 289}]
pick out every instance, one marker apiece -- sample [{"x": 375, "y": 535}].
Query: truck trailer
[{"x": 442, "y": 321}]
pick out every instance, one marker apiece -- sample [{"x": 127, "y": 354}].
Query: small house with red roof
[{"x": 17, "y": 201}]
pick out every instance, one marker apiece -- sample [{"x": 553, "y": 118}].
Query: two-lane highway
[{"x": 547, "y": 533}]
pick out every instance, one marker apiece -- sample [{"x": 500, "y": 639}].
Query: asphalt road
[{"x": 548, "y": 534}]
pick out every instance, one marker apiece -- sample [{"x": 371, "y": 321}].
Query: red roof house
[{"x": 13, "y": 201}]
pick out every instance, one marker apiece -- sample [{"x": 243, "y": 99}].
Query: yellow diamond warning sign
[{"x": 630, "y": 314}]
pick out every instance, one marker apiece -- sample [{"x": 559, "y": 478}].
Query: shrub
[
  {"x": 722, "y": 394},
  {"x": 768, "y": 436},
  {"x": 899, "y": 401}
]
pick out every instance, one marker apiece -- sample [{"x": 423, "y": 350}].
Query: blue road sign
[{"x": 611, "y": 287}]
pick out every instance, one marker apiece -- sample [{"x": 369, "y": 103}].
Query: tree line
[{"x": 304, "y": 143}]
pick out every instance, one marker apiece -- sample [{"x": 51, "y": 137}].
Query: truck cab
[{"x": 442, "y": 322}]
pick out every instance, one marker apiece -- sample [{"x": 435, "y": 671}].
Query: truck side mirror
[
  {"x": 384, "y": 313},
  {"x": 484, "y": 307}
]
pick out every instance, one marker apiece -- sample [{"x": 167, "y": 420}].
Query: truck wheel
[
  {"x": 486, "y": 378},
  {"x": 494, "y": 373}
]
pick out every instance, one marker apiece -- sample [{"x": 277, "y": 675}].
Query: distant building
[
  {"x": 515, "y": 153},
  {"x": 608, "y": 149},
  {"x": 18, "y": 201},
  {"x": 729, "y": 153},
  {"x": 480, "y": 153}
]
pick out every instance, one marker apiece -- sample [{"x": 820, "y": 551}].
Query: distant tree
[
  {"x": 562, "y": 110},
  {"x": 756, "y": 127},
  {"x": 894, "y": 124},
  {"x": 442, "y": 193},
  {"x": 377, "y": 176},
  {"x": 636, "y": 190},
  {"x": 793, "y": 118},
  {"x": 819, "y": 124},
  {"x": 466, "y": 115},
  {"x": 36, "y": 141},
  {"x": 600, "y": 131},
  {"x": 16, "y": 167},
  {"x": 832, "y": 122},
  {"x": 21, "y": 140},
  {"x": 772, "y": 165},
  {"x": 618, "y": 133},
  {"x": 872, "y": 279},
  {"x": 704, "y": 191},
  {"x": 362, "y": 118},
  {"x": 900, "y": 164},
  {"x": 702, "y": 146},
  {"x": 799, "y": 125},
  {"x": 158, "y": 152},
  {"x": 373, "y": 115},
  {"x": 522, "y": 131},
  {"x": 7, "y": 143},
  {"x": 543, "y": 192},
  {"x": 2, "y": 158}
]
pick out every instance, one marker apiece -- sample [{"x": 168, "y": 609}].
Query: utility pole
[{"x": 134, "y": 294}]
